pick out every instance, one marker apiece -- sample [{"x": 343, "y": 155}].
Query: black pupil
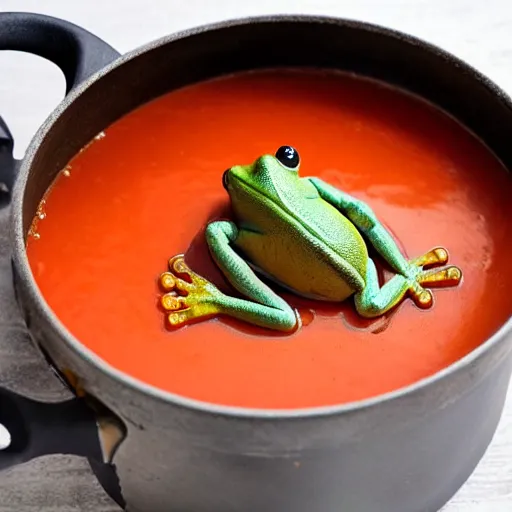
[{"x": 288, "y": 156}]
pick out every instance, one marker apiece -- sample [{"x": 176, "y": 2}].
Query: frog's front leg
[
  {"x": 411, "y": 274},
  {"x": 365, "y": 220},
  {"x": 201, "y": 298}
]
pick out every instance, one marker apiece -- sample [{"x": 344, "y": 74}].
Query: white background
[{"x": 478, "y": 31}]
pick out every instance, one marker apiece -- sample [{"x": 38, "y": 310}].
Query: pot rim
[{"x": 81, "y": 350}]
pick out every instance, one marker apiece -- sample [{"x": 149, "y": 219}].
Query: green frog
[{"x": 307, "y": 237}]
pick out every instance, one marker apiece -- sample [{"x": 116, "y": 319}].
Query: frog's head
[{"x": 272, "y": 177}]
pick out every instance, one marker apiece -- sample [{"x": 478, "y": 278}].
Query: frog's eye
[{"x": 288, "y": 156}]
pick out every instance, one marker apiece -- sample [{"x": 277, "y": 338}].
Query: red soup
[{"x": 145, "y": 190}]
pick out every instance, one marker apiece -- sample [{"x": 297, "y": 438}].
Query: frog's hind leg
[
  {"x": 268, "y": 309},
  {"x": 196, "y": 297},
  {"x": 374, "y": 301}
]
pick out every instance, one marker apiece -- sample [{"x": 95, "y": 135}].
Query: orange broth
[{"x": 145, "y": 192}]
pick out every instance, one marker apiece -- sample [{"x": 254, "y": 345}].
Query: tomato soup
[{"x": 147, "y": 187}]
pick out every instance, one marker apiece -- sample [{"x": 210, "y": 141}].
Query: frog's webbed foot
[
  {"x": 427, "y": 273},
  {"x": 189, "y": 296}
]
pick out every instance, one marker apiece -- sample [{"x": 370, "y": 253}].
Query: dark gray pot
[{"x": 407, "y": 451}]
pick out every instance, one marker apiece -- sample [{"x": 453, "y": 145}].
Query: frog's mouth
[
  {"x": 238, "y": 185},
  {"x": 235, "y": 180},
  {"x": 225, "y": 179},
  {"x": 232, "y": 181}
]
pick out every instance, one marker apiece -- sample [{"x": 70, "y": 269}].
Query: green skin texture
[{"x": 266, "y": 196}]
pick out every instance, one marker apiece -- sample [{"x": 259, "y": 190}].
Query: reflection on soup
[{"x": 146, "y": 190}]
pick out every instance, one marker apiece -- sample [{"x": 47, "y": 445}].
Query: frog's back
[
  {"x": 313, "y": 250},
  {"x": 336, "y": 231}
]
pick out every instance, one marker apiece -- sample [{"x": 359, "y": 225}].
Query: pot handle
[
  {"x": 7, "y": 161},
  {"x": 77, "y": 52},
  {"x": 30, "y": 429}
]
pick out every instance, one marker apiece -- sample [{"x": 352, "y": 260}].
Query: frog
[{"x": 305, "y": 236}]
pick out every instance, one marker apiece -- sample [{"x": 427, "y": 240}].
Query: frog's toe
[
  {"x": 168, "y": 281},
  {"x": 189, "y": 280},
  {"x": 422, "y": 298},
  {"x": 179, "y": 318},
  {"x": 449, "y": 276},
  {"x": 433, "y": 258},
  {"x": 186, "y": 311},
  {"x": 171, "y": 302},
  {"x": 178, "y": 266},
  {"x": 172, "y": 283}
]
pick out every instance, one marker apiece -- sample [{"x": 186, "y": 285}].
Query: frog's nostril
[{"x": 225, "y": 179}]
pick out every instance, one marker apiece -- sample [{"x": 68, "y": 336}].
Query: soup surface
[{"x": 146, "y": 190}]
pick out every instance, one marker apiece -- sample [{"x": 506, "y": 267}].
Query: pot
[{"x": 406, "y": 451}]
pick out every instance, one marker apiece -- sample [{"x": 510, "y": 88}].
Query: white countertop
[{"x": 477, "y": 31}]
